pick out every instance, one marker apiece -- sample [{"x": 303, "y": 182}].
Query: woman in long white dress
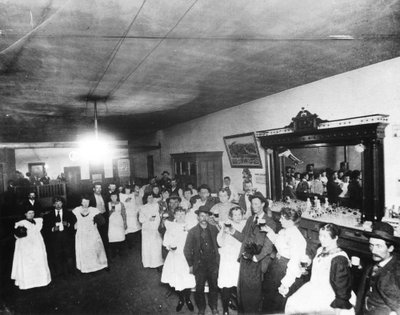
[
  {"x": 30, "y": 268},
  {"x": 329, "y": 289},
  {"x": 176, "y": 269},
  {"x": 117, "y": 225},
  {"x": 229, "y": 266},
  {"x": 149, "y": 217},
  {"x": 89, "y": 248},
  {"x": 132, "y": 216}
]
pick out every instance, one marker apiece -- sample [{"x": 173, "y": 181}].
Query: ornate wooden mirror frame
[{"x": 307, "y": 130}]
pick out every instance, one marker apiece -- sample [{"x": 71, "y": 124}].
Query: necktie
[
  {"x": 255, "y": 222},
  {"x": 375, "y": 269},
  {"x": 58, "y": 218}
]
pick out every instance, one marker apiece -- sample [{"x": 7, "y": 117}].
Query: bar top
[{"x": 342, "y": 216}]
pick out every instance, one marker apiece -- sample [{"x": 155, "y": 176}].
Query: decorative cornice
[{"x": 354, "y": 121}]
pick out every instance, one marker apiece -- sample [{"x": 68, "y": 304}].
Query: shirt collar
[
  {"x": 259, "y": 216},
  {"x": 383, "y": 263}
]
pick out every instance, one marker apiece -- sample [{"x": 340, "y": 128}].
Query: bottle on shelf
[
  {"x": 308, "y": 205},
  {"x": 318, "y": 205},
  {"x": 395, "y": 212},
  {"x": 387, "y": 213}
]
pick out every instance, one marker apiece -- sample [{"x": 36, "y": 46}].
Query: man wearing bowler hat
[
  {"x": 201, "y": 252},
  {"x": 379, "y": 291}
]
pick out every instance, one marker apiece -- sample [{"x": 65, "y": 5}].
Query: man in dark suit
[
  {"x": 203, "y": 198},
  {"x": 59, "y": 234},
  {"x": 99, "y": 201},
  {"x": 31, "y": 203},
  {"x": 255, "y": 255},
  {"x": 201, "y": 252},
  {"x": 112, "y": 187},
  {"x": 165, "y": 181},
  {"x": 244, "y": 200},
  {"x": 379, "y": 291}
]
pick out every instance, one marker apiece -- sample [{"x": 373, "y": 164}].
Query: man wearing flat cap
[
  {"x": 201, "y": 252},
  {"x": 255, "y": 255},
  {"x": 379, "y": 291}
]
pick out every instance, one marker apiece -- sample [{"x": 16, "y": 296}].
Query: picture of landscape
[{"x": 243, "y": 151}]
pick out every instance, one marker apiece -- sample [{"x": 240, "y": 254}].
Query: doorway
[
  {"x": 73, "y": 176},
  {"x": 150, "y": 166}
]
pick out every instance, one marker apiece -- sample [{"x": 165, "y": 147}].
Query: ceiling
[{"x": 151, "y": 64}]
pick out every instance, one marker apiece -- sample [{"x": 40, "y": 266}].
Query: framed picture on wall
[
  {"x": 37, "y": 169},
  {"x": 243, "y": 151},
  {"x": 97, "y": 178},
  {"x": 123, "y": 167}
]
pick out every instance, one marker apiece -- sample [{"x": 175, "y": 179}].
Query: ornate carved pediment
[{"x": 305, "y": 121}]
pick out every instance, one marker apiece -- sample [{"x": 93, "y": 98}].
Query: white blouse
[{"x": 290, "y": 243}]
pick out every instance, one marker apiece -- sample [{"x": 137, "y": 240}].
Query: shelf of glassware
[{"x": 351, "y": 239}]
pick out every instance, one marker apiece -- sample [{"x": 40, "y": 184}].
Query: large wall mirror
[
  {"x": 330, "y": 173},
  {"x": 341, "y": 161}
]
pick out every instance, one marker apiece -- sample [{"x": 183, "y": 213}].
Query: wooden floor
[{"x": 127, "y": 288}]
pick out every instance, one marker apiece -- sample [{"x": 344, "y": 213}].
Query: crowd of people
[
  {"x": 33, "y": 179},
  {"x": 230, "y": 244},
  {"x": 340, "y": 187}
]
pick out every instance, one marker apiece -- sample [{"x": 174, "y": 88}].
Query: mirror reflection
[{"x": 327, "y": 173}]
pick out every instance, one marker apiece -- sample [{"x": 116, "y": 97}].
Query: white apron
[
  {"x": 316, "y": 295},
  {"x": 228, "y": 273},
  {"x": 89, "y": 248},
  {"x": 176, "y": 269},
  {"x": 151, "y": 238},
  {"x": 30, "y": 268},
  {"x": 132, "y": 213},
  {"x": 116, "y": 229}
]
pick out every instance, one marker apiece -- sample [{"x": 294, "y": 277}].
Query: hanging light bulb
[{"x": 96, "y": 148}]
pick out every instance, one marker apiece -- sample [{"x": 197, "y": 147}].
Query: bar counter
[{"x": 352, "y": 238}]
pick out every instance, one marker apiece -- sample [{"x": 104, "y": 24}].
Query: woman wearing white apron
[
  {"x": 117, "y": 225},
  {"x": 329, "y": 289},
  {"x": 229, "y": 266},
  {"x": 149, "y": 217},
  {"x": 89, "y": 248},
  {"x": 176, "y": 269},
  {"x": 132, "y": 216},
  {"x": 30, "y": 268}
]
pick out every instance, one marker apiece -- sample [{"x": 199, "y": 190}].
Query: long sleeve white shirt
[{"x": 290, "y": 243}]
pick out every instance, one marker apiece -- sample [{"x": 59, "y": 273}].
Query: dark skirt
[
  {"x": 274, "y": 302},
  {"x": 250, "y": 287}
]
